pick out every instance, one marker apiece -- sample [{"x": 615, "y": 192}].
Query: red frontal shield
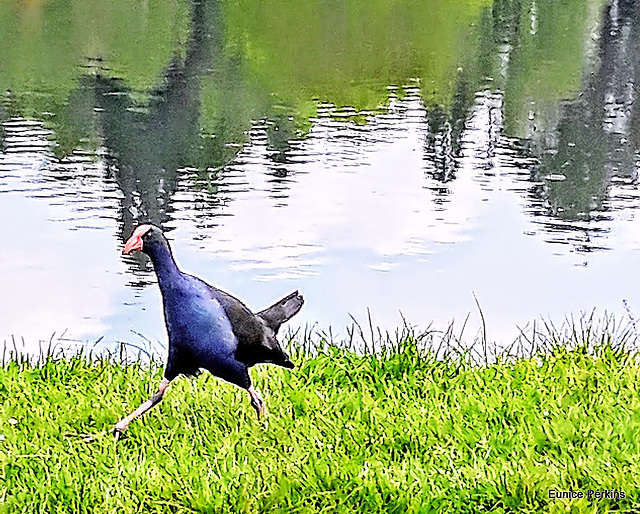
[{"x": 135, "y": 241}]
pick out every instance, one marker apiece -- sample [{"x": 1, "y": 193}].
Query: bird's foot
[{"x": 257, "y": 403}]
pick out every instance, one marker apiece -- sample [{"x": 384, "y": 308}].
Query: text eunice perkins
[{"x": 591, "y": 494}]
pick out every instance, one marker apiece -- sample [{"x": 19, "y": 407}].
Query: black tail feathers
[{"x": 282, "y": 311}]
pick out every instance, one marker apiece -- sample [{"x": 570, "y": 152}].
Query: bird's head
[{"x": 142, "y": 235}]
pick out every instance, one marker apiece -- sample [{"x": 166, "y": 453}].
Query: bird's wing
[{"x": 256, "y": 340}]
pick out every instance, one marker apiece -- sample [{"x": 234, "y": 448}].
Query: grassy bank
[{"x": 398, "y": 431}]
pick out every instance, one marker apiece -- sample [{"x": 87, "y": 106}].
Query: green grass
[{"x": 392, "y": 431}]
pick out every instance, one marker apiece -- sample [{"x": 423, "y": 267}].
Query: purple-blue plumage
[
  {"x": 208, "y": 328},
  {"x": 200, "y": 333}
]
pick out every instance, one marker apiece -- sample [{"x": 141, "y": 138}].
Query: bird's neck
[{"x": 164, "y": 263}]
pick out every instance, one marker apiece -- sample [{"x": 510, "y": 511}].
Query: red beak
[{"x": 135, "y": 241}]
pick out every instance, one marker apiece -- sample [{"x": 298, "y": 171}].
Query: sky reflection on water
[{"x": 361, "y": 226}]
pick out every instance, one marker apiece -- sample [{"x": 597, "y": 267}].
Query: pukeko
[{"x": 208, "y": 328}]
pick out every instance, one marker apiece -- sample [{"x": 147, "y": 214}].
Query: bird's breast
[{"x": 198, "y": 321}]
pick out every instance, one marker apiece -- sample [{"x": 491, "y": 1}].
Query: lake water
[{"x": 377, "y": 158}]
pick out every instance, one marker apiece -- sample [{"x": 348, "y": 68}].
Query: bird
[{"x": 209, "y": 328}]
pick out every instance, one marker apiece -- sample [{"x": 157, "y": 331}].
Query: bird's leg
[
  {"x": 122, "y": 425},
  {"x": 257, "y": 402}
]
